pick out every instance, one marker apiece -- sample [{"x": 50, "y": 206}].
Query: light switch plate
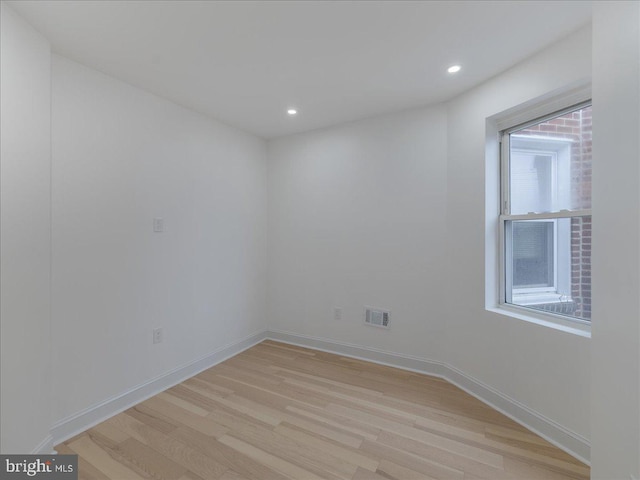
[{"x": 157, "y": 335}]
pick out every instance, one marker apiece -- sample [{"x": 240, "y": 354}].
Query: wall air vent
[{"x": 376, "y": 317}]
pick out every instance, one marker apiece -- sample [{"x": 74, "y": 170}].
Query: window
[{"x": 545, "y": 218}]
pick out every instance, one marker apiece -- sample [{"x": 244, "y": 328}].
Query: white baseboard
[
  {"x": 44, "y": 447},
  {"x": 565, "y": 439},
  {"x": 89, "y": 417},
  {"x": 383, "y": 357}
]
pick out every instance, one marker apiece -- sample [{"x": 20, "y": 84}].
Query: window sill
[
  {"x": 557, "y": 322},
  {"x": 526, "y": 299}
]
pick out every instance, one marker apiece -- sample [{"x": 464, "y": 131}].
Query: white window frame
[
  {"x": 563, "y": 266},
  {"x": 559, "y": 149}
]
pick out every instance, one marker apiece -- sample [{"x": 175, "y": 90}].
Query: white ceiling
[{"x": 245, "y": 63}]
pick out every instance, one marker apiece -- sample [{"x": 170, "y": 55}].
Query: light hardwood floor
[{"x": 277, "y": 412}]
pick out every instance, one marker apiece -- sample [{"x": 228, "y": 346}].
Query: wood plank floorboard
[{"x": 278, "y": 412}]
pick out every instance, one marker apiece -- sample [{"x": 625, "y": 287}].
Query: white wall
[
  {"x": 121, "y": 157},
  {"x": 616, "y": 240},
  {"x": 356, "y": 217},
  {"x": 390, "y": 212},
  {"x": 545, "y": 369},
  {"x": 25, "y": 235}
]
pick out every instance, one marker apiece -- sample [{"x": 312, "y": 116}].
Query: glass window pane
[
  {"x": 550, "y": 164},
  {"x": 548, "y": 265},
  {"x": 533, "y": 254}
]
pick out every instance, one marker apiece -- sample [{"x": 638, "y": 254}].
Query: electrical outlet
[
  {"x": 157, "y": 335},
  {"x": 158, "y": 225},
  {"x": 337, "y": 313}
]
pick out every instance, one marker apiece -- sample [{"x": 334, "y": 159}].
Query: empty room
[{"x": 356, "y": 240}]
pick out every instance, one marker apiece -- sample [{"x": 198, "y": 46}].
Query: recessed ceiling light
[
  {"x": 292, "y": 111},
  {"x": 454, "y": 68}
]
